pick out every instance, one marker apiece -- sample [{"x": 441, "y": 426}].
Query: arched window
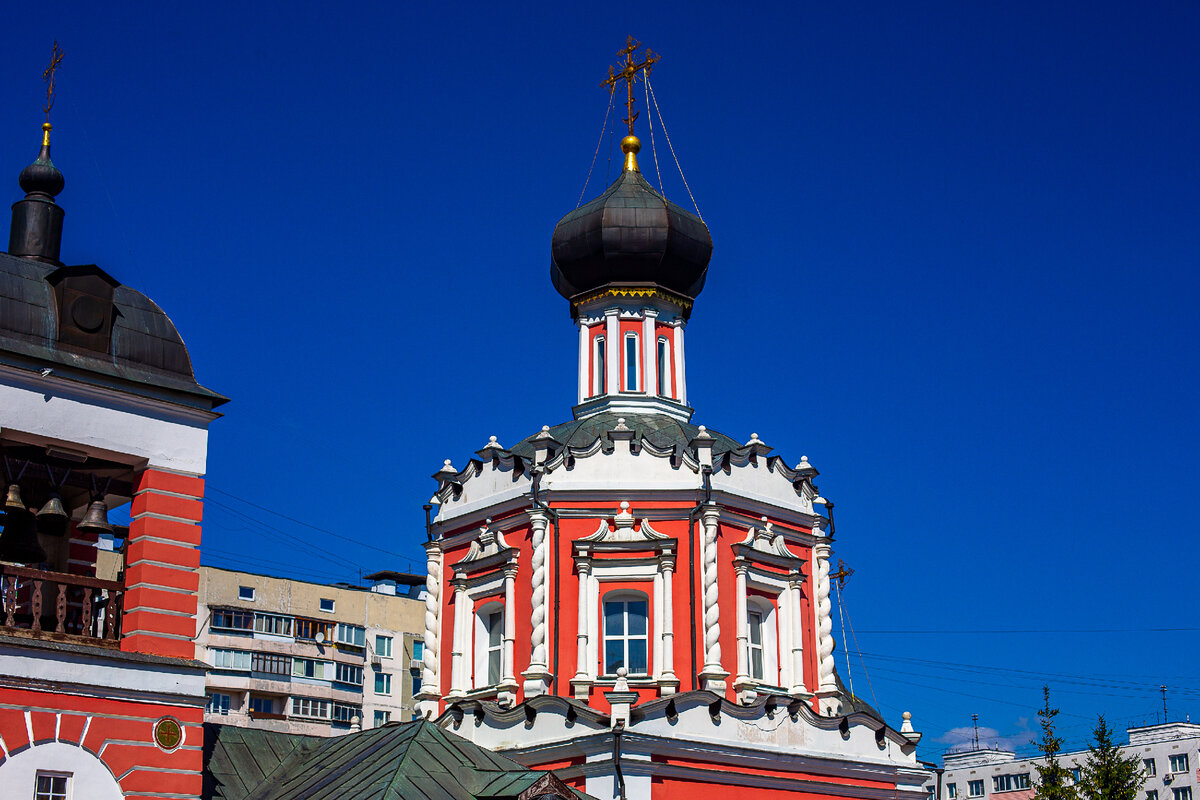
[
  {"x": 762, "y": 641},
  {"x": 599, "y": 373},
  {"x": 664, "y": 367},
  {"x": 626, "y": 633},
  {"x": 489, "y": 644},
  {"x": 632, "y": 364}
]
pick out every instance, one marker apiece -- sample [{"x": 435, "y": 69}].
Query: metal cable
[
  {"x": 595, "y": 155},
  {"x": 845, "y": 644},
  {"x": 653, "y": 99},
  {"x": 653, "y": 149}
]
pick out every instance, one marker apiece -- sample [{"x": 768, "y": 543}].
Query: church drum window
[
  {"x": 626, "y": 634},
  {"x": 599, "y": 373},
  {"x": 632, "y": 384}
]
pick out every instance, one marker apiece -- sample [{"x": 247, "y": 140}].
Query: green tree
[
  {"x": 1054, "y": 780},
  {"x": 1107, "y": 774}
]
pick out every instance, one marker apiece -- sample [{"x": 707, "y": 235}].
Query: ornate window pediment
[{"x": 768, "y": 546}]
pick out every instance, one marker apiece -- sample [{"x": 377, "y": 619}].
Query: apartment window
[
  {"x": 930, "y": 793},
  {"x": 418, "y": 649},
  {"x": 273, "y": 624},
  {"x": 310, "y": 707},
  {"x": 626, "y": 634},
  {"x": 311, "y": 668},
  {"x": 975, "y": 788},
  {"x": 245, "y": 593},
  {"x": 1182, "y": 793},
  {"x": 383, "y": 646},
  {"x": 1152, "y": 794},
  {"x": 311, "y": 628},
  {"x": 52, "y": 786},
  {"x": 217, "y": 704},
  {"x": 271, "y": 664},
  {"x": 349, "y": 673},
  {"x": 230, "y": 659},
  {"x": 381, "y": 717},
  {"x": 262, "y": 705},
  {"x": 231, "y": 619},
  {"x": 599, "y": 373},
  {"x": 1150, "y": 768},
  {"x": 383, "y": 682},
  {"x": 352, "y": 635},
  {"x": 327, "y": 605},
  {"x": 345, "y": 714},
  {"x": 951, "y": 791},
  {"x": 1075, "y": 774},
  {"x": 664, "y": 361},
  {"x": 1008, "y": 783},
  {"x": 416, "y": 680},
  {"x": 632, "y": 373},
  {"x": 489, "y": 644},
  {"x": 1179, "y": 763}
]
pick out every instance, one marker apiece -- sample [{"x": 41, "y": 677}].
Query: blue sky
[{"x": 955, "y": 264}]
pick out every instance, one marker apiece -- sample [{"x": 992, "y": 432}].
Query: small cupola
[{"x": 37, "y": 221}]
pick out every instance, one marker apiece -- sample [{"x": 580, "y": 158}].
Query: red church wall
[{"x": 119, "y": 733}]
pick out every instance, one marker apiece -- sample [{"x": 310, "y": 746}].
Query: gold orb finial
[
  {"x": 631, "y": 146},
  {"x": 46, "y": 126}
]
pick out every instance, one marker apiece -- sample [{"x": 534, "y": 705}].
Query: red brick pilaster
[{"x": 162, "y": 558}]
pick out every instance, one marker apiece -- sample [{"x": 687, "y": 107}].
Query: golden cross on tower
[
  {"x": 628, "y": 72},
  {"x": 56, "y": 56}
]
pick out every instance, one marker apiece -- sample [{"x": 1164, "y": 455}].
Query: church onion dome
[
  {"x": 42, "y": 177},
  {"x": 630, "y": 236}
]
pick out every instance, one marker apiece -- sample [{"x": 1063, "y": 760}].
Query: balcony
[{"x": 61, "y": 607}]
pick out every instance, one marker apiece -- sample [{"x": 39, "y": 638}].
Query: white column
[
  {"x": 612, "y": 346},
  {"x": 797, "y": 637},
  {"x": 680, "y": 376},
  {"x": 584, "y": 361},
  {"x": 668, "y": 683},
  {"x": 713, "y": 675},
  {"x": 826, "y": 682},
  {"x": 462, "y": 622},
  {"x": 743, "y": 627},
  {"x": 431, "y": 688},
  {"x": 537, "y": 677},
  {"x": 582, "y": 681},
  {"x": 649, "y": 352},
  {"x": 508, "y": 675}
]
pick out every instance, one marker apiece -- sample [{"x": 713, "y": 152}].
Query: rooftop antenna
[
  {"x": 1163, "y": 689},
  {"x": 975, "y": 722}
]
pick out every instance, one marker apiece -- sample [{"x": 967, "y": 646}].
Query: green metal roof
[{"x": 414, "y": 761}]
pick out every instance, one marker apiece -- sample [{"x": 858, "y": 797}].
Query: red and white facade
[
  {"x": 641, "y": 604},
  {"x": 101, "y": 695}
]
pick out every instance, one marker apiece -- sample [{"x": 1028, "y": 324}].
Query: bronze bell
[
  {"x": 14, "y": 498},
  {"x": 18, "y": 541},
  {"x": 52, "y": 518},
  {"x": 96, "y": 518}
]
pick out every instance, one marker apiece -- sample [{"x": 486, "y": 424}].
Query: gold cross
[
  {"x": 56, "y": 55},
  {"x": 628, "y": 72}
]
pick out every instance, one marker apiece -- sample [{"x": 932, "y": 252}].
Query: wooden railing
[{"x": 59, "y": 606}]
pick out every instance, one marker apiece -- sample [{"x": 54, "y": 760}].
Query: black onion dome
[
  {"x": 42, "y": 177},
  {"x": 630, "y": 235}
]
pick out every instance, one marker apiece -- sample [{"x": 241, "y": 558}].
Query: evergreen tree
[
  {"x": 1054, "y": 780},
  {"x": 1107, "y": 774}
]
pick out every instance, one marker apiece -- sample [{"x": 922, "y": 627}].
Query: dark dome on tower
[{"x": 630, "y": 236}]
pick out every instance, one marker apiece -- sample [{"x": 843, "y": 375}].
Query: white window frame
[
  {"x": 217, "y": 703},
  {"x": 278, "y": 624},
  {"x": 1181, "y": 793},
  {"x": 631, "y": 344},
  {"x": 351, "y": 635},
  {"x": 1152, "y": 794},
  {"x": 599, "y": 367},
  {"x": 1149, "y": 767},
  {"x": 626, "y": 596},
  {"x": 952, "y": 791},
  {"x": 246, "y": 593},
  {"x": 381, "y": 717},
  {"x": 322, "y": 670},
  {"x": 484, "y": 648},
  {"x": 1179, "y": 763},
  {"x": 340, "y": 670},
  {"x": 769, "y": 646},
  {"x": 231, "y": 660},
  {"x": 387, "y": 683},
  {"x": 68, "y": 788},
  {"x": 383, "y": 645},
  {"x": 321, "y": 605},
  {"x": 971, "y": 785},
  {"x": 310, "y": 708}
]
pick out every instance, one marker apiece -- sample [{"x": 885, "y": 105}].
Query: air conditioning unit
[
  {"x": 416, "y": 664},
  {"x": 376, "y": 662}
]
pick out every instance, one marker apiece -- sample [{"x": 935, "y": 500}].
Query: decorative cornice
[{"x": 631, "y": 292}]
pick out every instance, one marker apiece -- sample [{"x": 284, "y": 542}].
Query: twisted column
[
  {"x": 537, "y": 677},
  {"x": 712, "y": 676},
  {"x": 827, "y": 683},
  {"x": 430, "y": 686}
]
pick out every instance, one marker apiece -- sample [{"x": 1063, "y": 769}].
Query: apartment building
[
  {"x": 300, "y": 657},
  {"x": 1170, "y": 756}
]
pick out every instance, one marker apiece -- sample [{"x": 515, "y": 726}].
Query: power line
[
  {"x": 281, "y": 535},
  {"x": 1029, "y": 630}
]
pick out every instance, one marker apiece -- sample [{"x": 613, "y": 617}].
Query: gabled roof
[{"x": 413, "y": 761}]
